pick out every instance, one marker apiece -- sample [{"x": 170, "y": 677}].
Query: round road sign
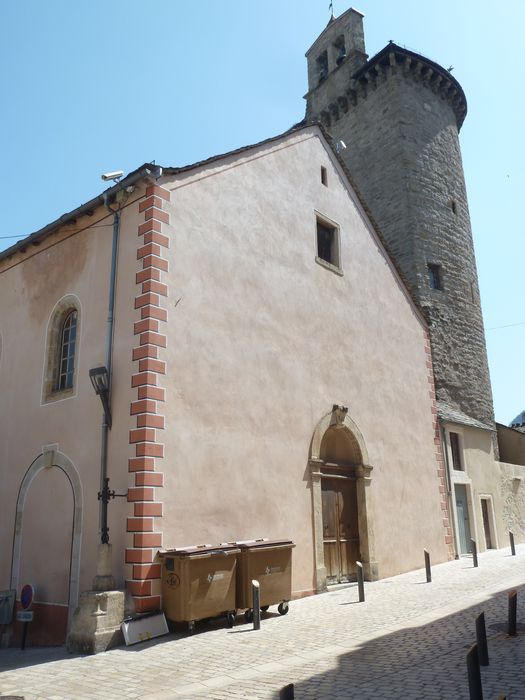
[{"x": 26, "y": 596}]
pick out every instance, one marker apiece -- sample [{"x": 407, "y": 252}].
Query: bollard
[
  {"x": 513, "y": 608},
  {"x": 427, "y": 566},
  {"x": 481, "y": 639},
  {"x": 474, "y": 674},
  {"x": 512, "y": 546},
  {"x": 24, "y": 636},
  {"x": 360, "y": 582},
  {"x": 287, "y": 693},
  {"x": 474, "y": 548},
  {"x": 256, "y": 605}
]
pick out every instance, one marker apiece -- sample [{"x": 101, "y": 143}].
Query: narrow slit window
[
  {"x": 324, "y": 176},
  {"x": 66, "y": 360},
  {"x": 434, "y": 276},
  {"x": 457, "y": 462}
]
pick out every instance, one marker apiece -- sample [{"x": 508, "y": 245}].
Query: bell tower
[{"x": 399, "y": 115}]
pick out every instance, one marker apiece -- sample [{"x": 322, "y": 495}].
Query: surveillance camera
[{"x": 113, "y": 176}]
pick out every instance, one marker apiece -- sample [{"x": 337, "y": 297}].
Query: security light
[{"x": 116, "y": 175}]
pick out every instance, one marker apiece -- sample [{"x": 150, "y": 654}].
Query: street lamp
[{"x": 100, "y": 379}]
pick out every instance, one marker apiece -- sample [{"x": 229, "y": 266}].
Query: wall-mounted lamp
[{"x": 100, "y": 379}]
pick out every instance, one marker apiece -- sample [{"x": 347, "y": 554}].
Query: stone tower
[{"x": 399, "y": 114}]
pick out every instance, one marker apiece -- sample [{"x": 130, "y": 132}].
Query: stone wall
[{"x": 399, "y": 117}]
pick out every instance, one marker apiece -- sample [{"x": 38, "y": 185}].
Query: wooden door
[
  {"x": 486, "y": 522},
  {"x": 340, "y": 529}
]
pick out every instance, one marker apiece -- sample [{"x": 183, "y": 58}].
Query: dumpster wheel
[
  {"x": 283, "y": 607},
  {"x": 230, "y": 618},
  {"x": 265, "y": 608},
  {"x": 248, "y": 615}
]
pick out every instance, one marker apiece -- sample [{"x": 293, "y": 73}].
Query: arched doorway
[
  {"x": 340, "y": 476},
  {"x": 46, "y": 543}
]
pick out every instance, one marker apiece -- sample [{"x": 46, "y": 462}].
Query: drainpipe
[
  {"x": 104, "y": 489},
  {"x": 449, "y": 490},
  {"x": 108, "y": 197}
]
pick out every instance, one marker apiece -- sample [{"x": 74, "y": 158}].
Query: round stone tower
[{"x": 399, "y": 115}]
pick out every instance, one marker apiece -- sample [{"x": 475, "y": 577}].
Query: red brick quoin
[
  {"x": 147, "y": 419},
  {"x": 440, "y": 459}
]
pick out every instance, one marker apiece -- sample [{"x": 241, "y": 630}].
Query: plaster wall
[
  {"x": 263, "y": 340},
  {"x": 511, "y": 445},
  {"x": 482, "y": 478},
  {"x": 74, "y": 261},
  {"x": 512, "y": 494}
]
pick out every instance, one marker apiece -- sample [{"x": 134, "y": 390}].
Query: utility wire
[{"x": 510, "y": 325}]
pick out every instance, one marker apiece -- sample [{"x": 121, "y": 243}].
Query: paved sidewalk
[{"x": 408, "y": 640}]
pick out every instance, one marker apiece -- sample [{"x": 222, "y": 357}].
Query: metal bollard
[
  {"x": 360, "y": 582},
  {"x": 512, "y": 546},
  {"x": 256, "y": 605},
  {"x": 474, "y": 548},
  {"x": 513, "y": 609},
  {"x": 474, "y": 674},
  {"x": 287, "y": 693},
  {"x": 427, "y": 566},
  {"x": 481, "y": 639}
]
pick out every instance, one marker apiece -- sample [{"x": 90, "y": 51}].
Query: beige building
[{"x": 270, "y": 376}]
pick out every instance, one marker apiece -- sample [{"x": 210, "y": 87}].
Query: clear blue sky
[{"x": 109, "y": 84}]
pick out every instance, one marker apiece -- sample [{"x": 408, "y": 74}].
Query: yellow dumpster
[
  {"x": 270, "y": 563},
  {"x": 199, "y": 582}
]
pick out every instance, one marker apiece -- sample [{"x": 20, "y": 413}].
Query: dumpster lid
[
  {"x": 262, "y": 542},
  {"x": 200, "y": 549}
]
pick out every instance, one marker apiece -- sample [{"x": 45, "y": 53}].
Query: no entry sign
[{"x": 27, "y": 595}]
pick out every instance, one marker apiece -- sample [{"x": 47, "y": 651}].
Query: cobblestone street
[{"x": 408, "y": 640}]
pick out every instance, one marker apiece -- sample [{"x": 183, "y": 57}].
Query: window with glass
[{"x": 66, "y": 360}]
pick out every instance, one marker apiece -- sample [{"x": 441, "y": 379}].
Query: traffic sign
[{"x": 27, "y": 595}]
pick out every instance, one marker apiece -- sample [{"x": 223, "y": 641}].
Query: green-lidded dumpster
[
  {"x": 199, "y": 582},
  {"x": 270, "y": 563}
]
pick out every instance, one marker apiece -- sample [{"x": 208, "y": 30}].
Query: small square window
[
  {"x": 434, "y": 276},
  {"x": 327, "y": 243}
]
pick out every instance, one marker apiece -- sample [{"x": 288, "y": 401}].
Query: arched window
[
  {"x": 62, "y": 346},
  {"x": 66, "y": 359}
]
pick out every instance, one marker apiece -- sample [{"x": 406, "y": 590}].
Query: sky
[{"x": 107, "y": 85}]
